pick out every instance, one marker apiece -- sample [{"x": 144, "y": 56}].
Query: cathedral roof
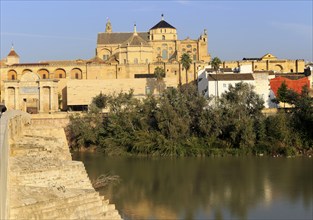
[
  {"x": 119, "y": 38},
  {"x": 162, "y": 24},
  {"x": 135, "y": 40}
]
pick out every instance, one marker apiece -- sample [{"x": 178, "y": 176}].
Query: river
[{"x": 207, "y": 188}]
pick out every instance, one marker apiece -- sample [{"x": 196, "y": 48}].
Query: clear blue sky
[{"x": 58, "y": 30}]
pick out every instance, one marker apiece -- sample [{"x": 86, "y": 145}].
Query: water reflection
[{"x": 210, "y": 188}]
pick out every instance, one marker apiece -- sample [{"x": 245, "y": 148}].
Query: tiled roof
[
  {"x": 13, "y": 53},
  {"x": 135, "y": 40},
  {"x": 230, "y": 77},
  {"x": 221, "y": 69},
  {"x": 118, "y": 38},
  {"x": 96, "y": 60},
  {"x": 29, "y": 64},
  {"x": 248, "y": 58},
  {"x": 162, "y": 24},
  {"x": 291, "y": 76}
]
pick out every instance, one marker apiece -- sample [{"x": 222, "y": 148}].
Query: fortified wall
[{"x": 39, "y": 180}]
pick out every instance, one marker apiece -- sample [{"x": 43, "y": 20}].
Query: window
[
  {"x": 291, "y": 70},
  {"x": 194, "y": 50},
  {"x": 164, "y": 54},
  {"x": 13, "y": 77},
  {"x": 163, "y": 37},
  {"x": 60, "y": 75},
  {"x": 44, "y": 76},
  {"x": 76, "y": 75},
  {"x": 105, "y": 57}
]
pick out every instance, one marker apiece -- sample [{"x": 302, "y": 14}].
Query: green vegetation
[
  {"x": 215, "y": 63},
  {"x": 180, "y": 122},
  {"x": 186, "y": 62}
]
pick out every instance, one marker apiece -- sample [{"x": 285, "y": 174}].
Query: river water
[{"x": 207, "y": 188}]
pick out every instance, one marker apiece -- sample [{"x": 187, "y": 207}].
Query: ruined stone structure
[
  {"x": 39, "y": 179},
  {"x": 31, "y": 93}
]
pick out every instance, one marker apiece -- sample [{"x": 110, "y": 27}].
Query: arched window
[
  {"x": 163, "y": 37},
  {"x": 76, "y": 73},
  {"x": 59, "y": 73},
  {"x": 12, "y": 75},
  {"x": 43, "y": 73},
  {"x": 164, "y": 54}
]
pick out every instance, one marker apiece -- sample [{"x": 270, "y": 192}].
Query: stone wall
[
  {"x": 12, "y": 124},
  {"x": 39, "y": 180}
]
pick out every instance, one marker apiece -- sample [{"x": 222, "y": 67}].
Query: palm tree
[
  {"x": 215, "y": 63},
  {"x": 159, "y": 74},
  {"x": 186, "y": 61}
]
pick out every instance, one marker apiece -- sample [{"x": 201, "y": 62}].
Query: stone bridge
[{"x": 39, "y": 180}]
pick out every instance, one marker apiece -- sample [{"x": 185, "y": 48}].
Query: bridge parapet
[{"x": 12, "y": 124}]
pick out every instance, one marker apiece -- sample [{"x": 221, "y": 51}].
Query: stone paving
[{"x": 46, "y": 184}]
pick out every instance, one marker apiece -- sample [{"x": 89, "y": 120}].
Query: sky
[{"x": 67, "y": 30}]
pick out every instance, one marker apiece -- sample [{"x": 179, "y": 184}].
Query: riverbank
[{"x": 182, "y": 123}]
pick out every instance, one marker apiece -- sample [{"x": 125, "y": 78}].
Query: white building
[{"x": 212, "y": 84}]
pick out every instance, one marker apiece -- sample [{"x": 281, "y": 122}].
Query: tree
[
  {"x": 100, "y": 101},
  {"x": 241, "y": 107},
  {"x": 215, "y": 63},
  {"x": 282, "y": 93},
  {"x": 159, "y": 73},
  {"x": 186, "y": 61},
  {"x": 286, "y": 95}
]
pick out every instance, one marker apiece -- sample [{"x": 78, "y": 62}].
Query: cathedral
[{"x": 160, "y": 43}]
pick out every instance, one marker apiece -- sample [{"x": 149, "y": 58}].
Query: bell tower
[{"x": 108, "y": 26}]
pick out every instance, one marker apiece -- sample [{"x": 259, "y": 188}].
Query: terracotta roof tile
[
  {"x": 13, "y": 53},
  {"x": 118, "y": 38},
  {"x": 135, "y": 40}
]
